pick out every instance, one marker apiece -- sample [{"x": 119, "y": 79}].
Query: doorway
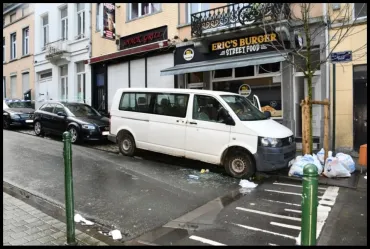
[{"x": 359, "y": 106}]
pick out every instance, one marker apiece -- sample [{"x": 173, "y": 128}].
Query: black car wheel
[
  {"x": 6, "y": 124},
  {"x": 74, "y": 135},
  {"x": 239, "y": 165},
  {"x": 37, "y": 127},
  {"x": 126, "y": 144}
]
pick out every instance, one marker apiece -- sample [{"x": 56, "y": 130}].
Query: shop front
[
  {"x": 251, "y": 63},
  {"x": 137, "y": 64}
]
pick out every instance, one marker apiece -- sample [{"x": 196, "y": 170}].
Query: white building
[{"x": 62, "y": 44}]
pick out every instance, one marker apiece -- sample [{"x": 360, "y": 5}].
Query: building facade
[
  {"x": 18, "y": 52},
  {"x": 62, "y": 45},
  {"x": 349, "y": 80}
]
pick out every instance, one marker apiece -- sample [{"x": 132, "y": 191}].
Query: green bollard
[
  {"x": 309, "y": 205},
  {"x": 67, "y": 153}
]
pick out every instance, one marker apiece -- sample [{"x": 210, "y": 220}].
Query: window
[
  {"x": 196, "y": 7},
  {"x": 59, "y": 108},
  {"x": 46, "y": 75},
  {"x": 244, "y": 71},
  {"x": 360, "y": 10},
  {"x": 45, "y": 31},
  {"x": 4, "y": 87},
  {"x": 12, "y": 17},
  {"x": 26, "y": 42},
  {"x": 64, "y": 83},
  {"x": 25, "y": 10},
  {"x": 13, "y": 86},
  {"x": 137, "y": 102},
  {"x": 81, "y": 79},
  {"x": 223, "y": 73},
  {"x": 269, "y": 68},
  {"x": 25, "y": 82},
  {"x": 48, "y": 107},
  {"x": 98, "y": 16},
  {"x": 141, "y": 9},
  {"x": 206, "y": 108},
  {"x": 195, "y": 77},
  {"x": 64, "y": 23},
  {"x": 3, "y": 49},
  {"x": 13, "y": 46},
  {"x": 80, "y": 20},
  {"x": 170, "y": 104}
]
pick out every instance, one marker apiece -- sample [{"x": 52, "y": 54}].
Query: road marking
[
  {"x": 206, "y": 241},
  {"x": 327, "y": 197},
  {"x": 265, "y": 231},
  {"x": 270, "y": 244},
  {"x": 293, "y": 185},
  {"x": 287, "y": 203},
  {"x": 268, "y": 214},
  {"x": 285, "y": 225},
  {"x": 292, "y": 210}
]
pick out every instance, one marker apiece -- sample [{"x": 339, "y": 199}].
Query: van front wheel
[
  {"x": 126, "y": 144},
  {"x": 239, "y": 165}
]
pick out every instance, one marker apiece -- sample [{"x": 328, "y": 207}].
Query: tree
[{"x": 298, "y": 20}]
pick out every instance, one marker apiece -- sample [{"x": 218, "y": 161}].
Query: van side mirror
[
  {"x": 226, "y": 117},
  {"x": 267, "y": 114}
]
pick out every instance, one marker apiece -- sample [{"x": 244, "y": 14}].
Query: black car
[
  {"x": 81, "y": 120},
  {"x": 17, "y": 112}
]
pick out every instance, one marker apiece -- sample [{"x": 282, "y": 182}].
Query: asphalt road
[{"x": 131, "y": 194}]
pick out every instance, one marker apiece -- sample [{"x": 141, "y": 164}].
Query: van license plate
[
  {"x": 29, "y": 121},
  {"x": 105, "y": 133}
]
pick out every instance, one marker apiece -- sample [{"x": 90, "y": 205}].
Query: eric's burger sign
[{"x": 245, "y": 45}]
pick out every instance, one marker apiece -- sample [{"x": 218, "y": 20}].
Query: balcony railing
[
  {"x": 237, "y": 14},
  {"x": 56, "y": 48}
]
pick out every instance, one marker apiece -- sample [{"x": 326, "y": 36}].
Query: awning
[{"x": 225, "y": 63}]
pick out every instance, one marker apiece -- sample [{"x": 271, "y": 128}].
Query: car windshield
[
  {"x": 243, "y": 108},
  {"x": 18, "y": 104},
  {"x": 79, "y": 110}
]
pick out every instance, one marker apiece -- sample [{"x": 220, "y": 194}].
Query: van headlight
[
  {"x": 88, "y": 127},
  {"x": 269, "y": 142}
]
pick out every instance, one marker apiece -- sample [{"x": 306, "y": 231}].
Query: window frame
[
  {"x": 354, "y": 13},
  {"x": 4, "y": 87},
  {"x": 188, "y": 9},
  {"x": 139, "y": 14},
  {"x": 63, "y": 79},
  {"x": 45, "y": 31},
  {"x": 27, "y": 6},
  {"x": 11, "y": 86},
  {"x": 175, "y": 95},
  {"x": 4, "y": 50},
  {"x": 15, "y": 17},
  {"x": 82, "y": 76},
  {"x": 209, "y": 96},
  {"x": 13, "y": 46},
  {"x": 81, "y": 14},
  {"x": 64, "y": 32},
  {"x": 26, "y": 41}
]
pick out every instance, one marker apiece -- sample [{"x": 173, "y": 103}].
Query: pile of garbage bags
[{"x": 342, "y": 165}]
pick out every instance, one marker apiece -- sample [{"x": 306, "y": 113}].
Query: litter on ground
[
  {"x": 247, "y": 184},
  {"x": 78, "y": 218},
  {"x": 116, "y": 234}
]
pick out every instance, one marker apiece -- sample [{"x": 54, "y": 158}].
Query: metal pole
[
  {"x": 334, "y": 106},
  {"x": 67, "y": 151},
  {"x": 309, "y": 205}
]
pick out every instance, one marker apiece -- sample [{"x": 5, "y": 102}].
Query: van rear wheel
[
  {"x": 126, "y": 144},
  {"x": 239, "y": 164}
]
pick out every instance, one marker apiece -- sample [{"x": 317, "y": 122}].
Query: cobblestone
[{"x": 25, "y": 225}]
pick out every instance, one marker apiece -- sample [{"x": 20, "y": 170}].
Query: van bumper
[
  {"x": 112, "y": 138},
  {"x": 270, "y": 159}
]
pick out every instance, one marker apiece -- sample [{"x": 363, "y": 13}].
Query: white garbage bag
[
  {"x": 300, "y": 162},
  {"x": 334, "y": 168},
  {"x": 347, "y": 161},
  {"x": 321, "y": 155},
  {"x": 317, "y": 163}
]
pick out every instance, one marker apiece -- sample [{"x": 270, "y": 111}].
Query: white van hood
[{"x": 268, "y": 128}]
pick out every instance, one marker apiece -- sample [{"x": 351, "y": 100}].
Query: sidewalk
[{"x": 25, "y": 225}]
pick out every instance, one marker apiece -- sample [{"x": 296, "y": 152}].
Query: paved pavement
[{"x": 25, "y": 225}]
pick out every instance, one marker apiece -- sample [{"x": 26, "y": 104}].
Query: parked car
[
  {"x": 17, "y": 112},
  {"x": 221, "y": 128},
  {"x": 81, "y": 120}
]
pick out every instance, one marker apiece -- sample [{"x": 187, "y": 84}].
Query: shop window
[
  {"x": 269, "y": 68},
  {"x": 195, "y": 77},
  {"x": 223, "y": 73},
  {"x": 141, "y": 9},
  {"x": 206, "y": 108},
  {"x": 170, "y": 104},
  {"x": 244, "y": 71},
  {"x": 360, "y": 10}
]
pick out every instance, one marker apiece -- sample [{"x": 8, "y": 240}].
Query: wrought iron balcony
[
  {"x": 236, "y": 15},
  {"x": 56, "y": 49}
]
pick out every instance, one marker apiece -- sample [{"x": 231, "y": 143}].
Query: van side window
[
  {"x": 137, "y": 102},
  {"x": 171, "y": 104},
  {"x": 206, "y": 108}
]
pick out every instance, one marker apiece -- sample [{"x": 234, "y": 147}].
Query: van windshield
[{"x": 243, "y": 108}]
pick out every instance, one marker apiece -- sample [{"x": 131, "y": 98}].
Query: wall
[{"x": 22, "y": 63}]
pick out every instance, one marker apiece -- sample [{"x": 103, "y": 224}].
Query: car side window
[
  {"x": 59, "y": 108},
  {"x": 137, "y": 102},
  {"x": 48, "y": 108},
  {"x": 171, "y": 104},
  {"x": 206, "y": 108}
]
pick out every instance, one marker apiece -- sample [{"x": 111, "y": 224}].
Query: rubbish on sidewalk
[
  {"x": 247, "y": 184},
  {"x": 321, "y": 155},
  {"x": 203, "y": 171},
  {"x": 194, "y": 177},
  {"x": 116, "y": 234},
  {"x": 207, "y": 170},
  {"x": 347, "y": 162},
  {"x": 335, "y": 168},
  {"x": 300, "y": 162},
  {"x": 78, "y": 218}
]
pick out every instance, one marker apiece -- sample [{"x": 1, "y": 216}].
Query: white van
[{"x": 215, "y": 127}]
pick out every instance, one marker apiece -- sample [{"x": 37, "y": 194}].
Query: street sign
[{"x": 339, "y": 57}]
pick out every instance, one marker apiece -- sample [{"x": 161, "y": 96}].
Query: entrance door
[
  {"x": 100, "y": 103},
  {"x": 359, "y": 106}
]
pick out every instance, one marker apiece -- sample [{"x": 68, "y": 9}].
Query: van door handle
[{"x": 193, "y": 123}]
